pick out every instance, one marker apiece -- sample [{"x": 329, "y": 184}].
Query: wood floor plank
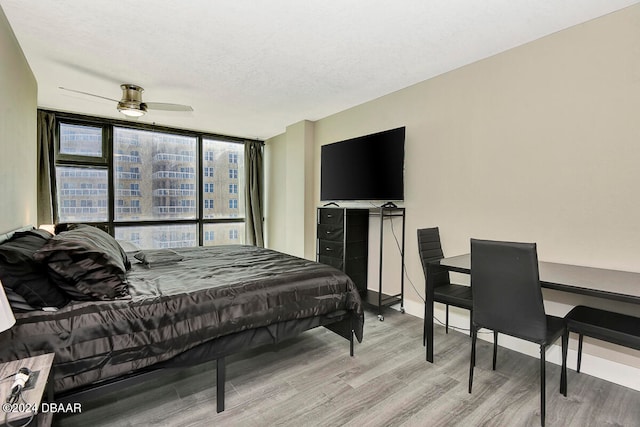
[{"x": 312, "y": 381}]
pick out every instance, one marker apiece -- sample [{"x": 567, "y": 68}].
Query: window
[
  {"x": 164, "y": 169},
  {"x": 159, "y": 236},
  {"x": 77, "y": 140},
  {"x": 153, "y": 178},
  {"x": 223, "y": 208},
  {"x": 224, "y": 233},
  {"x": 75, "y": 184}
]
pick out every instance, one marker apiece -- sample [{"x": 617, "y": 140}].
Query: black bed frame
[{"x": 340, "y": 322}]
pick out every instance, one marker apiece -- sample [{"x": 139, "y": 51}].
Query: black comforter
[{"x": 212, "y": 292}]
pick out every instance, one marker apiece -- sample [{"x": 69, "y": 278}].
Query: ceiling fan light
[
  {"x": 131, "y": 112},
  {"x": 132, "y": 109}
]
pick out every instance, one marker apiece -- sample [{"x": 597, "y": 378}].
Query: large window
[
  {"x": 165, "y": 187},
  {"x": 226, "y": 166},
  {"x": 82, "y": 194},
  {"x": 158, "y": 189}
]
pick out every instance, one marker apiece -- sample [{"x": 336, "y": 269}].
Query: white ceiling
[{"x": 252, "y": 67}]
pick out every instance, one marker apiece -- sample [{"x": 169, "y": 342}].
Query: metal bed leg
[
  {"x": 351, "y": 344},
  {"x": 220, "y": 378}
]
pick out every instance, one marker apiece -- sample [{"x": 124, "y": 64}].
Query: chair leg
[
  {"x": 424, "y": 326},
  {"x": 446, "y": 322},
  {"x": 542, "y": 384},
  {"x": 472, "y": 362},
  {"x": 495, "y": 349},
  {"x": 563, "y": 374},
  {"x": 580, "y": 336}
]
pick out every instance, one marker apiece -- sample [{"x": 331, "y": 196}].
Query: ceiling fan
[{"x": 131, "y": 103}]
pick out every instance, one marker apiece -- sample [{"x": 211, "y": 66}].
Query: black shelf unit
[
  {"x": 342, "y": 242},
  {"x": 379, "y": 299}
]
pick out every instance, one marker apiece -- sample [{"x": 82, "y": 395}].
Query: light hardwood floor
[{"x": 312, "y": 381}]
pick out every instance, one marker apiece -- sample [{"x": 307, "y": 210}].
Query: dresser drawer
[
  {"x": 331, "y": 216},
  {"x": 334, "y": 232},
  {"x": 330, "y": 248}
]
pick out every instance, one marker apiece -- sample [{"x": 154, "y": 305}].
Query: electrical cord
[
  {"x": 21, "y": 401},
  {"x": 406, "y": 275},
  {"x": 7, "y": 377}
]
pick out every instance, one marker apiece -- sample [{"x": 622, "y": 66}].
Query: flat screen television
[{"x": 369, "y": 167}]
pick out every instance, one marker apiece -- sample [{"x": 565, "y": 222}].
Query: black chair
[
  {"x": 616, "y": 328},
  {"x": 507, "y": 299},
  {"x": 444, "y": 292}
]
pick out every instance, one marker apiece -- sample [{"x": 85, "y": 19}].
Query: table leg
[{"x": 428, "y": 311}]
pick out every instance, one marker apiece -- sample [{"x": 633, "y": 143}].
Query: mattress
[{"x": 175, "y": 306}]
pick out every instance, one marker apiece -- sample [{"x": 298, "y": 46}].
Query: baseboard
[{"x": 608, "y": 370}]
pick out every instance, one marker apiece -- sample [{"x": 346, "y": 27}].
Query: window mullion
[
  {"x": 107, "y": 133},
  {"x": 200, "y": 196}
]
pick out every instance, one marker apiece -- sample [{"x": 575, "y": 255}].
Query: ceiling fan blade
[
  {"x": 87, "y": 93},
  {"x": 167, "y": 107}
]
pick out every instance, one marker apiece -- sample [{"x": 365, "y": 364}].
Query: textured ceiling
[{"x": 252, "y": 67}]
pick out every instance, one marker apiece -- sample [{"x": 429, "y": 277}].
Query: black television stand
[{"x": 343, "y": 242}]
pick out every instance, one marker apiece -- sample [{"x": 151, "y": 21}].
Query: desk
[{"x": 597, "y": 282}]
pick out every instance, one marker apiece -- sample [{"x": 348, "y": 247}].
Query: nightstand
[{"x": 40, "y": 366}]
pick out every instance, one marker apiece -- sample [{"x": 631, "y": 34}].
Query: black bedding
[{"x": 176, "y": 306}]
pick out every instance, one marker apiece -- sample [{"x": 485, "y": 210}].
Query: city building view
[{"x": 156, "y": 180}]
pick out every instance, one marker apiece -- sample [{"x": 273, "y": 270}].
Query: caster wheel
[
  {"x": 381, "y": 317},
  {"x": 402, "y": 310}
]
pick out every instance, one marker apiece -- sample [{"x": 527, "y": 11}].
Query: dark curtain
[
  {"x": 46, "y": 138},
  {"x": 253, "y": 194}
]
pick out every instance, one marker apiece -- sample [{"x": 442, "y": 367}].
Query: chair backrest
[
  {"x": 430, "y": 249},
  {"x": 505, "y": 285}
]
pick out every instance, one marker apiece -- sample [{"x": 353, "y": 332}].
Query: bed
[{"x": 181, "y": 307}]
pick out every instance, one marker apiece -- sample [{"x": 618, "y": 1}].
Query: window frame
[{"x": 106, "y": 162}]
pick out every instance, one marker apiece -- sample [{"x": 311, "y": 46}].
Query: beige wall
[
  {"x": 289, "y": 164},
  {"x": 18, "y": 103},
  {"x": 540, "y": 143}
]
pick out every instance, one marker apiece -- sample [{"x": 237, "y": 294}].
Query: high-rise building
[{"x": 155, "y": 179}]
